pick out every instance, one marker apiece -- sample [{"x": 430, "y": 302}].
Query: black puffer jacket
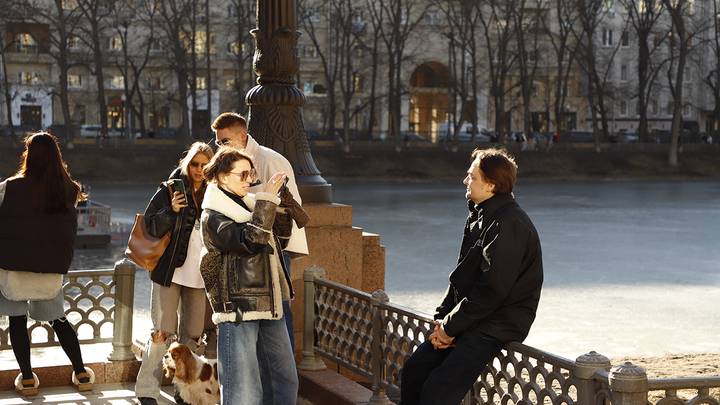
[
  {"x": 161, "y": 219},
  {"x": 30, "y": 239},
  {"x": 495, "y": 288}
]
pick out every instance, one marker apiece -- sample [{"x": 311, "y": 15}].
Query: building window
[
  {"x": 74, "y": 81},
  {"x": 623, "y": 108},
  {"x": 115, "y": 43},
  {"x": 154, "y": 83},
  {"x": 232, "y": 11},
  {"x": 69, "y": 4},
  {"x": 607, "y": 37},
  {"x": 117, "y": 82},
  {"x": 308, "y": 51},
  {"x": 623, "y": 72},
  {"x": 357, "y": 82},
  {"x": 73, "y": 43},
  {"x": 687, "y": 110},
  {"x": 25, "y": 43},
  {"x": 657, "y": 38},
  {"x": 78, "y": 114},
  {"x": 653, "y": 107},
  {"x": 28, "y": 78},
  {"x": 669, "y": 108},
  {"x": 230, "y": 84},
  {"x": 432, "y": 17},
  {"x": 625, "y": 39},
  {"x": 156, "y": 46},
  {"x": 201, "y": 83},
  {"x": 235, "y": 48}
]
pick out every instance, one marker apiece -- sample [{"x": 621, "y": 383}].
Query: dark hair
[
  {"x": 498, "y": 167},
  {"x": 54, "y": 191},
  {"x": 227, "y": 120},
  {"x": 223, "y": 161}
]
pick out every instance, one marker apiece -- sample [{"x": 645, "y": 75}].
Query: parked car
[
  {"x": 93, "y": 131},
  {"x": 577, "y": 136},
  {"x": 89, "y": 131},
  {"x": 464, "y": 133},
  {"x": 624, "y": 137},
  {"x": 413, "y": 137}
]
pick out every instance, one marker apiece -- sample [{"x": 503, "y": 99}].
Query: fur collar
[{"x": 216, "y": 200}]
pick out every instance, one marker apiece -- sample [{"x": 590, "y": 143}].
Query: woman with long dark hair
[{"x": 39, "y": 224}]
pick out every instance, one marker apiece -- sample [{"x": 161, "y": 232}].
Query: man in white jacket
[{"x": 231, "y": 130}]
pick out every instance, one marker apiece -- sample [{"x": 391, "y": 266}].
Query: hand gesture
[
  {"x": 439, "y": 339},
  {"x": 275, "y": 182},
  {"x": 178, "y": 202}
]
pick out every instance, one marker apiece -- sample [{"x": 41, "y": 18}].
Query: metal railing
[
  {"x": 99, "y": 304},
  {"x": 372, "y": 337}
]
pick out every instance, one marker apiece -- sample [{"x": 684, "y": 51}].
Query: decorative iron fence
[
  {"x": 373, "y": 338},
  {"x": 99, "y": 304}
]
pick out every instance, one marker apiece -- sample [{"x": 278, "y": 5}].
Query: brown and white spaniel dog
[{"x": 195, "y": 377}]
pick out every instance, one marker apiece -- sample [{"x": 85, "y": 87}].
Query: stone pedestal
[{"x": 346, "y": 253}]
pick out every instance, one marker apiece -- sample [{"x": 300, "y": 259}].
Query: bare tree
[
  {"x": 175, "y": 19},
  {"x": 91, "y": 30},
  {"x": 377, "y": 20},
  {"x": 685, "y": 30},
  {"x": 243, "y": 12},
  {"x": 644, "y": 16},
  {"x": 565, "y": 47},
  {"x": 6, "y": 45},
  {"x": 528, "y": 22},
  {"x": 400, "y": 19},
  {"x": 497, "y": 33},
  {"x": 712, "y": 76},
  {"x": 345, "y": 14},
  {"x": 135, "y": 26},
  {"x": 62, "y": 18},
  {"x": 463, "y": 20},
  {"x": 596, "y": 62},
  {"x": 330, "y": 33}
]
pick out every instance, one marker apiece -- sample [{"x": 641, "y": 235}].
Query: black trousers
[{"x": 443, "y": 377}]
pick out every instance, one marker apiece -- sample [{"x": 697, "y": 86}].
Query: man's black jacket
[{"x": 496, "y": 284}]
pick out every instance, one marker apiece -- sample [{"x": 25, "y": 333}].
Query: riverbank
[
  {"x": 677, "y": 365},
  {"x": 137, "y": 163}
]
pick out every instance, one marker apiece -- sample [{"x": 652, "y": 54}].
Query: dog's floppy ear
[{"x": 184, "y": 362}]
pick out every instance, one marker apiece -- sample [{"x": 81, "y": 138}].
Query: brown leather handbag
[{"x": 144, "y": 249}]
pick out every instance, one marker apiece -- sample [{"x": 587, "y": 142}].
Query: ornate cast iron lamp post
[{"x": 275, "y": 116}]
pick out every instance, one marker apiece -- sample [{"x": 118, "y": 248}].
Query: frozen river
[{"x": 631, "y": 268}]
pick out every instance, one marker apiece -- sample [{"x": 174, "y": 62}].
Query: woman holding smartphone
[{"x": 177, "y": 306}]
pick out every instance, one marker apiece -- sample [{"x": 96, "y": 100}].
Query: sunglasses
[
  {"x": 222, "y": 142},
  {"x": 246, "y": 175}
]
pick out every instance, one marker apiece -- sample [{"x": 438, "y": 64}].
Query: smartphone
[{"x": 178, "y": 186}]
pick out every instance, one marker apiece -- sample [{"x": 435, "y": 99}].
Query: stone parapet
[{"x": 346, "y": 254}]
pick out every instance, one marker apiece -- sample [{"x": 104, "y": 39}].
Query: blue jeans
[
  {"x": 287, "y": 314},
  {"x": 245, "y": 347}
]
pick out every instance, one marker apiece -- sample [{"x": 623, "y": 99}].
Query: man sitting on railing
[{"x": 493, "y": 293}]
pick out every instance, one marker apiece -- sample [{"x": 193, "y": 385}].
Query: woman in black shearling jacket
[
  {"x": 177, "y": 283},
  {"x": 246, "y": 280}
]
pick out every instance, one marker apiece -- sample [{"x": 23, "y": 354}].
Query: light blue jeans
[{"x": 245, "y": 349}]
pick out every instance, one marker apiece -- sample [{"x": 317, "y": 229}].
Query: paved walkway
[{"x": 115, "y": 394}]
